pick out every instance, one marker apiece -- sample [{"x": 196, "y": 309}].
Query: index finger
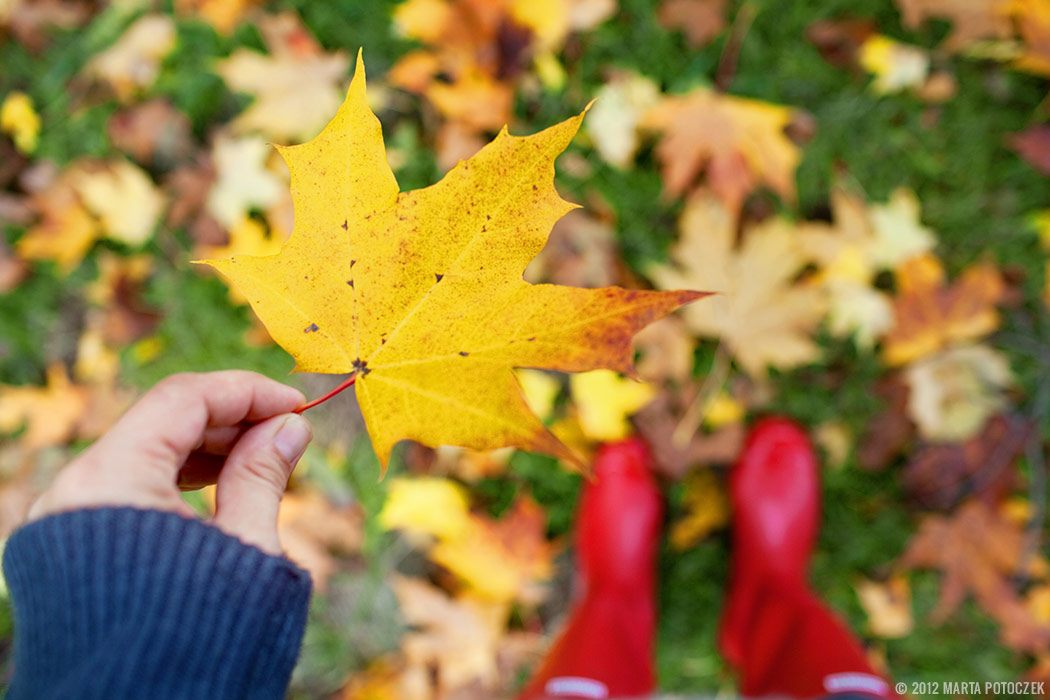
[{"x": 169, "y": 421}]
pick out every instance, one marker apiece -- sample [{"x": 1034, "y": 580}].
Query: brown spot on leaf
[
  {"x": 344, "y": 225},
  {"x": 311, "y": 328},
  {"x": 463, "y": 354},
  {"x": 438, "y": 275}
]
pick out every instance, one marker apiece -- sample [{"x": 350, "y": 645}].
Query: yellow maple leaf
[
  {"x": 740, "y": 143},
  {"x": 761, "y": 315},
  {"x": 65, "y": 232},
  {"x": 421, "y": 293}
]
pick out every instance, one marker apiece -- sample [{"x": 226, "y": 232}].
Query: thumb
[{"x": 249, "y": 488}]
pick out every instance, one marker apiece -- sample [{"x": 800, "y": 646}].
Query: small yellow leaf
[
  {"x": 706, "y": 510},
  {"x": 723, "y": 410},
  {"x": 604, "y": 400},
  {"x": 896, "y": 66},
  {"x": 18, "y": 118},
  {"x": 888, "y": 606},
  {"x": 122, "y": 196},
  {"x": 540, "y": 389},
  {"x": 426, "y": 505}
]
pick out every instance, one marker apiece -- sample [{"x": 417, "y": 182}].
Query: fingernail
[{"x": 292, "y": 438}]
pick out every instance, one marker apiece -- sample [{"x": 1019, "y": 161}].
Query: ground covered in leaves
[{"x": 865, "y": 183}]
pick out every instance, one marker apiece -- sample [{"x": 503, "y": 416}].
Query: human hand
[{"x": 188, "y": 431}]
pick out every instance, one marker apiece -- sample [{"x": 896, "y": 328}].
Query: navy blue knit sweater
[{"x": 122, "y": 603}]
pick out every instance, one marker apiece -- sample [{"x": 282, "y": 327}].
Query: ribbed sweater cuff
[{"x": 129, "y": 603}]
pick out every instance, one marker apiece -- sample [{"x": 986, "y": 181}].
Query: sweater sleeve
[{"x": 122, "y": 603}]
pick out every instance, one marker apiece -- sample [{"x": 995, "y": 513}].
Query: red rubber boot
[
  {"x": 778, "y": 635},
  {"x": 606, "y": 647}
]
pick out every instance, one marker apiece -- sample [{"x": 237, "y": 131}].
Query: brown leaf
[
  {"x": 657, "y": 423},
  {"x": 739, "y": 143},
  {"x": 312, "y": 529},
  {"x": 700, "y": 20},
  {"x": 890, "y": 432},
  {"x": 971, "y": 20},
  {"x": 979, "y": 552},
  {"x": 838, "y": 40},
  {"x": 118, "y": 292},
  {"x": 930, "y": 313},
  {"x": 939, "y": 476},
  {"x": 32, "y": 20},
  {"x": 153, "y": 133},
  {"x": 581, "y": 252},
  {"x": 1034, "y": 146}
]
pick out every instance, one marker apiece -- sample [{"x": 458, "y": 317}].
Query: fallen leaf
[
  {"x": 761, "y": 315},
  {"x": 118, "y": 294},
  {"x": 131, "y": 64},
  {"x": 971, "y": 20},
  {"x": 619, "y": 108},
  {"x": 501, "y": 560},
  {"x": 580, "y": 252},
  {"x": 471, "y": 465},
  {"x": 312, "y": 530},
  {"x": 31, "y": 20},
  {"x": 455, "y": 640},
  {"x": 887, "y": 605},
  {"x": 657, "y": 423},
  {"x": 667, "y": 351},
  {"x": 930, "y": 314},
  {"x": 834, "y": 438},
  {"x": 66, "y": 230},
  {"x": 979, "y": 552},
  {"x": 952, "y": 394},
  {"x": 706, "y": 507},
  {"x": 863, "y": 240},
  {"x": 722, "y": 409},
  {"x": 154, "y": 133},
  {"x": 739, "y": 143},
  {"x": 427, "y": 506},
  {"x": 890, "y": 431},
  {"x": 49, "y": 414},
  {"x": 123, "y": 197},
  {"x": 896, "y": 66},
  {"x": 1033, "y": 21},
  {"x": 242, "y": 180},
  {"x": 839, "y": 40},
  {"x": 604, "y": 401},
  {"x": 223, "y": 15},
  {"x": 12, "y": 269},
  {"x": 983, "y": 467},
  {"x": 700, "y": 20},
  {"x": 296, "y": 87},
  {"x": 1033, "y": 145},
  {"x": 540, "y": 390},
  {"x": 420, "y": 293},
  {"x": 19, "y": 119}
]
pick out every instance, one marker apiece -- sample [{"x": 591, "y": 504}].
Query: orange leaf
[{"x": 930, "y": 314}]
